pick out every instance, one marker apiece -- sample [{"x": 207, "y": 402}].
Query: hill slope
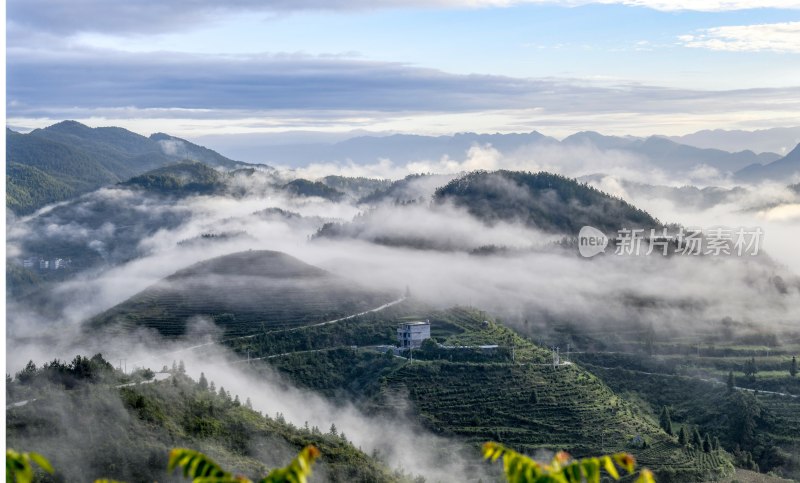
[
  {"x": 187, "y": 177},
  {"x": 545, "y": 201},
  {"x": 512, "y": 393},
  {"x": 242, "y": 293},
  {"x": 68, "y": 159},
  {"x": 101, "y": 429},
  {"x": 781, "y": 170}
]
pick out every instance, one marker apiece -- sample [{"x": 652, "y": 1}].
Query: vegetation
[
  {"x": 244, "y": 293},
  {"x": 67, "y": 159},
  {"x": 29, "y": 188},
  {"x": 355, "y": 187},
  {"x": 304, "y": 187},
  {"x": 542, "y": 200},
  {"x": 202, "y": 469},
  {"x": 19, "y": 466},
  {"x": 111, "y": 428},
  {"x": 514, "y": 396},
  {"x": 562, "y": 469},
  {"x": 180, "y": 179},
  {"x": 517, "y": 468}
]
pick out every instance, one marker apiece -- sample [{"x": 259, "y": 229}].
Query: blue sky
[{"x": 198, "y": 68}]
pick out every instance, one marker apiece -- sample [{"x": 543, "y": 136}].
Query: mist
[{"x": 533, "y": 280}]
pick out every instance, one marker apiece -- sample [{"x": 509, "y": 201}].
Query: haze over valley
[{"x": 375, "y": 257}]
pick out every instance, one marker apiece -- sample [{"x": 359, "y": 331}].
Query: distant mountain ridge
[
  {"x": 774, "y": 140},
  {"x": 782, "y": 169},
  {"x": 659, "y": 151},
  {"x": 67, "y": 159}
]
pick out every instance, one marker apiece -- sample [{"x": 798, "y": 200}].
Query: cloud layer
[
  {"x": 150, "y": 16},
  {"x": 773, "y": 37}
]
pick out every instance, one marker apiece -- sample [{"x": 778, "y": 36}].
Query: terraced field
[
  {"x": 243, "y": 293},
  {"x": 525, "y": 403}
]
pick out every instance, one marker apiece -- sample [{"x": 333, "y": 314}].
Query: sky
[{"x": 198, "y": 67}]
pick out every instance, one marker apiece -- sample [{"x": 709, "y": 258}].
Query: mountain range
[{"x": 67, "y": 159}]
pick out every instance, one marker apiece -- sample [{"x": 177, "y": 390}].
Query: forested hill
[
  {"x": 67, "y": 159},
  {"x": 541, "y": 200},
  {"x": 187, "y": 177},
  {"x": 243, "y": 293},
  {"x": 92, "y": 422}
]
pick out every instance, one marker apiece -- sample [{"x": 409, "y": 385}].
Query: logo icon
[{"x": 591, "y": 241}]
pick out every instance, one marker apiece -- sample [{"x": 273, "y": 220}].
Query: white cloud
[
  {"x": 774, "y": 37},
  {"x": 152, "y": 16}
]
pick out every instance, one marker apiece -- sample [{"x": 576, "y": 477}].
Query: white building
[{"x": 411, "y": 334}]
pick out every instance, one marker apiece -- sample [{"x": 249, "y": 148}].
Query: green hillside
[
  {"x": 184, "y": 149},
  {"x": 28, "y": 188},
  {"x": 243, "y": 293},
  {"x": 67, "y": 159},
  {"x": 99, "y": 428},
  {"x": 355, "y": 187},
  {"x": 511, "y": 394},
  {"x": 304, "y": 187},
  {"x": 542, "y": 200},
  {"x": 187, "y": 177}
]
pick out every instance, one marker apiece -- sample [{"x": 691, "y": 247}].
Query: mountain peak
[{"x": 68, "y": 126}]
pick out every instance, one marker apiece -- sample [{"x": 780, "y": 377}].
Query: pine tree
[
  {"x": 731, "y": 382},
  {"x": 212, "y": 387},
  {"x": 751, "y": 369},
  {"x": 716, "y": 443},
  {"x": 248, "y": 403},
  {"x": 181, "y": 367},
  {"x": 697, "y": 440},
  {"x": 665, "y": 421},
  {"x": 683, "y": 438},
  {"x": 333, "y": 429},
  {"x": 707, "y": 444},
  {"x": 203, "y": 382},
  {"x": 793, "y": 367}
]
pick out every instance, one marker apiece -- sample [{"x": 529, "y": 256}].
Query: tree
[
  {"x": 333, "y": 429},
  {"x": 745, "y": 410},
  {"x": 731, "y": 382},
  {"x": 683, "y": 437},
  {"x": 665, "y": 421},
  {"x": 751, "y": 369},
  {"x": 181, "y": 367},
  {"x": 716, "y": 443},
  {"x": 707, "y": 444},
  {"x": 697, "y": 440},
  {"x": 793, "y": 367},
  {"x": 203, "y": 383}
]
